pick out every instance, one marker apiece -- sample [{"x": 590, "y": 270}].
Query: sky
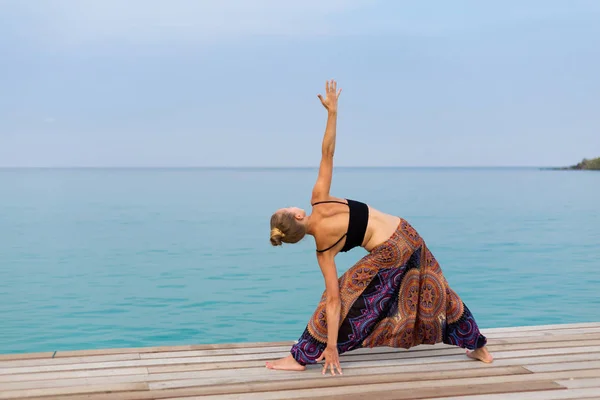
[{"x": 192, "y": 83}]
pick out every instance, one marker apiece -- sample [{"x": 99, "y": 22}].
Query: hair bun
[{"x": 276, "y": 236}]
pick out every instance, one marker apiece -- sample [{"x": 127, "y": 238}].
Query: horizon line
[{"x": 283, "y": 167}]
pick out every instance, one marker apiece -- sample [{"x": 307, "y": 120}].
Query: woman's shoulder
[
  {"x": 330, "y": 220},
  {"x": 317, "y": 200}
]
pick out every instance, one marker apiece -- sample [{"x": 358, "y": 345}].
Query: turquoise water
[{"x": 95, "y": 258}]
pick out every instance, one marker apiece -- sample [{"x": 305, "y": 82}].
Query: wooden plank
[
  {"x": 436, "y": 356},
  {"x": 545, "y": 339},
  {"x": 433, "y": 392},
  {"x": 159, "y": 369},
  {"x": 352, "y": 389},
  {"x": 222, "y": 346},
  {"x": 55, "y": 383},
  {"x": 218, "y": 352},
  {"x": 398, "y": 373},
  {"x": 460, "y": 362},
  {"x": 255, "y": 373},
  {"x": 570, "y": 394},
  {"x": 133, "y": 363},
  {"x": 581, "y": 383},
  {"x": 383, "y": 367},
  {"x": 25, "y": 356},
  {"x": 261, "y": 374},
  {"x": 127, "y": 350},
  {"x": 241, "y": 389},
  {"x": 278, "y": 350},
  {"x": 509, "y": 391},
  {"x": 577, "y": 325},
  {"x": 546, "y": 352},
  {"x": 563, "y": 366},
  {"x": 73, "y": 374},
  {"x": 463, "y": 364},
  {"x": 71, "y": 360},
  {"x": 543, "y": 345},
  {"x": 225, "y": 382},
  {"x": 62, "y": 391},
  {"x": 78, "y": 353},
  {"x": 554, "y": 332},
  {"x": 298, "y": 380},
  {"x": 416, "y": 352}
]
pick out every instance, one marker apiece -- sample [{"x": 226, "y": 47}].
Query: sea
[{"x": 117, "y": 257}]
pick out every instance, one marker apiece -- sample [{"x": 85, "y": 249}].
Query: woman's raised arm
[{"x": 330, "y": 102}]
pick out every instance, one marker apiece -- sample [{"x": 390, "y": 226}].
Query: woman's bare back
[{"x": 330, "y": 223}]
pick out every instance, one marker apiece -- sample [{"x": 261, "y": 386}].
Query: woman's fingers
[
  {"x": 332, "y": 366},
  {"x": 339, "y": 368},
  {"x": 332, "y": 362},
  {"x": 331, "y": 92},
  {"x": 331, "y": 86}
]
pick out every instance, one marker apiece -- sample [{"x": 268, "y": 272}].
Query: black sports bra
[{"x": 357, "y": 224}]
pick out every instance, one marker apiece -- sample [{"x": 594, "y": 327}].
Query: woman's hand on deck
[
  {"x": 332, "y": 360},
  {"x": 331, "y": 96}
]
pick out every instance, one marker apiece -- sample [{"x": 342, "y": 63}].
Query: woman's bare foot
[
  {"x": 481, "y": 354},
  {"x": 286, "y": 364}
]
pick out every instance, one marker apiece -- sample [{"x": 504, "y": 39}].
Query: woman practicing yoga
[{"x": 395, "y": 296}]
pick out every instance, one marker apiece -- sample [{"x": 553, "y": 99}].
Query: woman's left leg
[{"x": 306, "y": 351}]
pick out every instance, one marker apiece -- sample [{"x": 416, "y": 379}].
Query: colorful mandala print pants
[{"x": 395, "y": 296}]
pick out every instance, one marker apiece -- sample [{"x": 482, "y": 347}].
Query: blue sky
[{"x": 235, "y": 82}]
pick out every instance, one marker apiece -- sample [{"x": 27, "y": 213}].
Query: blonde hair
[
  {"x": 285, "y": 228},
  {"x": 276, "y": 236}
]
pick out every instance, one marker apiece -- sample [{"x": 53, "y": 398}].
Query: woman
[{"x": 395, "y": 296}]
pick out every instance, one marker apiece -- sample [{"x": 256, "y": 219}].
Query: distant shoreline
[{"x": 584, "y": 165}]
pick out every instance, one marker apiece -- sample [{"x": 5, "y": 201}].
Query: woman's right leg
[{"x": 465, "y": 333}]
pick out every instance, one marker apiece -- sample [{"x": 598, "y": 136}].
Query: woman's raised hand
[{"x": 331, "y": 96}]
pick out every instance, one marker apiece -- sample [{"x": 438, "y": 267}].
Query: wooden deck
[{"x": 540, "y": 362}]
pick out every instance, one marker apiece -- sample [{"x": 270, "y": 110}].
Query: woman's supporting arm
[
  {"x": 333, "y": 309},
  {"x": 332, "y": 290}
]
